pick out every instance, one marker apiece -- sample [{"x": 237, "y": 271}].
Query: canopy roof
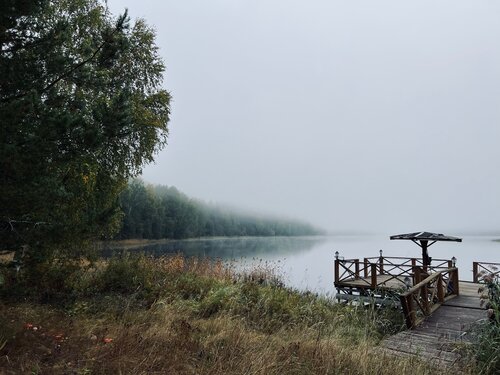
[{"x": 425, "y": 236}]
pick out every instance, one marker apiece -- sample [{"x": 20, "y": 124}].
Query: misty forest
[{"x": 155, "y": 212}]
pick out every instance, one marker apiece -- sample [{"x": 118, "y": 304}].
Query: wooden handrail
[
  {"x": 427, "y": 295},
  {"x": 421, "y": 284},
  {"x": 433, "y": 259}
]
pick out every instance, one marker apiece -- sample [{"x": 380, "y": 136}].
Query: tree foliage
[
  {"x": 155, "y": 212},
  {"x": 82, "y": 109}
]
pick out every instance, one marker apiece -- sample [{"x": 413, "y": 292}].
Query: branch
[
  {"x": 11, "y": 223},
  {"x": 58, "y": 79},
  {"x": 119, "y": 26}
]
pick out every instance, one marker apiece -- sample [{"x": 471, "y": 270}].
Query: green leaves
[{"x": 82, "y": 110}]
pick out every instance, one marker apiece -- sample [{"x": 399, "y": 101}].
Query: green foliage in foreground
[
  {"x": 155, "y": 212},
  {"x": 82, "y": 109}
]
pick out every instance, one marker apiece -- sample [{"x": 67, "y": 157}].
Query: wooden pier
[
  {"x": 440, "y": 337},
  {"x": 439, "y": 309}
]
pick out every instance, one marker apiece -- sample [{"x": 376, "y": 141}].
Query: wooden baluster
[
  {"x": 356, "y": 269},
  {"x": 440, "y": 288},
  {"x": 374, "y": 275},
  {"x": 456, "y": 288},
  {"x": 475, "y": 276},
  {"x": 417, "y": 271},
  {"x": 413, "y": 313},
  {"x": 424, "y": 295},
  {"x": 366, "y": 268},
  {"x": 337, "y": 270},
  {"x": 408, "y": 311}
]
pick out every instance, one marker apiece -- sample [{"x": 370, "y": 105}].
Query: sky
[{"x": 377, "y": 116}]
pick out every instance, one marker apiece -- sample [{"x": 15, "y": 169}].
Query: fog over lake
[
  {"x": 376, "y": 116},
  {"x": 306, "y": 263}
]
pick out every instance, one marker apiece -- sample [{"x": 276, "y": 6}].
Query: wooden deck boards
[
  {"x": 439, "y": 337},
  {"x": 385, "y": 281}
]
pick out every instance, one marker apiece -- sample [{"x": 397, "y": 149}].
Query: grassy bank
[{"x": 173, "y": 315}]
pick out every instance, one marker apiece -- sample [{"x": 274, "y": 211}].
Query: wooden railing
[
  {"x": 427, "y": 295},
  {"x": 394, "y": 269},
  {"x": 388, "y": 264},
  {"x": 351, "y": 269},
  {"x": 482, "y": 269}
]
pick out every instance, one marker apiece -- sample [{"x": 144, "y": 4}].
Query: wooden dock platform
[
  {"x": 439, "y": 309},
  {"x": 441, "y": 335}
]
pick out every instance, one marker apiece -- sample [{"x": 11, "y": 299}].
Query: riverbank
[{"x": 140, "y": 315}]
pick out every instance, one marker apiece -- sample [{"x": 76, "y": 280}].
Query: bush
[
  {"x": 125, "y": 274},
  {"x": 486, "y": 348},
  {"x": 45, "y": 281}
]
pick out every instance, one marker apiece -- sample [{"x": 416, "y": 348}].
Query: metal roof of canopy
[{"x": 424, "y": 238}]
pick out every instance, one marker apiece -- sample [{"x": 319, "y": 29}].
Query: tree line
[{"x": 154, "y": 212}]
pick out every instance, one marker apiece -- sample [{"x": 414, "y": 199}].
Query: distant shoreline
[{"x": 136, "y": 242}]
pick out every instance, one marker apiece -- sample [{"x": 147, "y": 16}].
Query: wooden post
[
  {"x": 475, "y": 277},
  {"x": 356, "y": 269},
  {"x": 366, "y": 268},
  {"x": 381, "y": 263},
  {"x": 455, "y": 282},
  {"x": 425, "y": 299},
  {"x": 450, "y": 264},
  {"x": 417, "y": 271},
  {"x": 337, "y": 271},
  {"x": 413, "y": 263},
  {"x": 440, "y": 290},
  {"x": 408, "y": 312},
  {"x": 374, "y": 275},
  {"x": 425, "y": 255}
]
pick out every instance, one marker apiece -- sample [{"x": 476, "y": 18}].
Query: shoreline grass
[{"x": 143, "y": 315}]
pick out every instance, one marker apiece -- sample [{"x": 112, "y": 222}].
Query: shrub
[{"x": 486, "y": 348}]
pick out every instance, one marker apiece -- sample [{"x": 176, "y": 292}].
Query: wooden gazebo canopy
[{"x": 422, "y": 239}]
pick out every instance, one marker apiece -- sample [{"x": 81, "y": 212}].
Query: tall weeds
[{"x": 141, "y": 315}]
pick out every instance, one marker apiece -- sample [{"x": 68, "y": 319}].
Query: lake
[{"x": 306, "y": 263}]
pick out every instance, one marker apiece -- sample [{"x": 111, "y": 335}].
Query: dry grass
[
  {"x": 201, "y": 321},
  {"x": 6, "y": 257},
  {"x": 161, "y": 340}
]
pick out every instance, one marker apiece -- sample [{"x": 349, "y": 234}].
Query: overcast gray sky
[{"x": 373, "y": 115}]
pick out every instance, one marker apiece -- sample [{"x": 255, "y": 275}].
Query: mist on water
[{"x": 358, "y": 117}]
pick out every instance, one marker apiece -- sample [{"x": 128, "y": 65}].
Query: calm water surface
[{"x": 306, "y": 263}]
